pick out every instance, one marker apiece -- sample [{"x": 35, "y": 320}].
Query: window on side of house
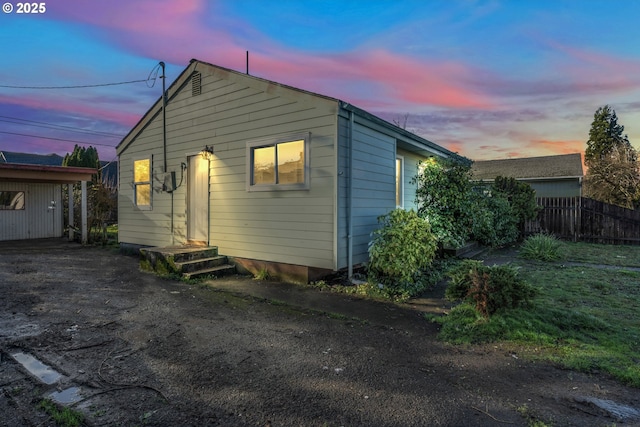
[
  {"x": 11, "y": 200},
  {"x": 280, "y": 164},
  {"x": 142, "y": 183},
  {"x": 400, "y": 182}
]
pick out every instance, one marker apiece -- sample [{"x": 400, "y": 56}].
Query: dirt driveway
[{"x": 135, "y": 349}]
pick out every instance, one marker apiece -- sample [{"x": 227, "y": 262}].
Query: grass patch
[
  {"x": 63, "y": 417},
  {"x": 583, "y": 318},
  {"x": 616, "y": 255}
]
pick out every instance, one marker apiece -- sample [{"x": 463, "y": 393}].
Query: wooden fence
[{"x": 586, "y": 220}]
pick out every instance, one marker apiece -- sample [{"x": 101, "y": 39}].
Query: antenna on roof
[{"x": 247, "y": 62}]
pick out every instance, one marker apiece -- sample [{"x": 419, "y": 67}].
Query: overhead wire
[
  {"x": 57, "y": 139},
  {"x": 152, "y": 77},
  {"x": 25, "y": 122},
  {"x": 73, "y": 86}
]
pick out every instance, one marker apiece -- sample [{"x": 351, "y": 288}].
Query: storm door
[{"x": 198, "y": 200}]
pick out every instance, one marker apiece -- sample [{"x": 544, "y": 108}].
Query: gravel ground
[{"x": 141, "y": 350}]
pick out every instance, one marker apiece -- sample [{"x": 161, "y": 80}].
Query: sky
[{"x": 488, "y": 79}]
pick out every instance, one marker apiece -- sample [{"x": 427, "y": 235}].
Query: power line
[
  {"x": 16, "y": 120},
  {"x": 58, "y": 139},
  {"x": 73, "y": 87}
]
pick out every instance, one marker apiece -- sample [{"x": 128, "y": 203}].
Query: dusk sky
[{"x": 486, "y": 79}]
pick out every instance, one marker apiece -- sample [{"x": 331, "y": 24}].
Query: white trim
[
  {"x": 401, "y": 189},
  {"x": 273, "y": 142},
  {"x": 136, "y": 183}
]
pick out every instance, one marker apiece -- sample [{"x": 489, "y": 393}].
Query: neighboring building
[
  {"x": 264, "y": 172},
  {"x": 549, "y": 176},
  {"x": 31, "y": 199},
  {"x": 109, "y": 169}
]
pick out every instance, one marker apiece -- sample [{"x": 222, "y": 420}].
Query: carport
[{"x": 31, "y": 200}]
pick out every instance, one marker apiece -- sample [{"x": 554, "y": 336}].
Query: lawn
[{"x": 584, "y": 317}]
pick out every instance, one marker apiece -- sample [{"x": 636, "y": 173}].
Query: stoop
[{"x": 189, "y": 262}]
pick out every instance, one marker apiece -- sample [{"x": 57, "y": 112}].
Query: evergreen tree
[
  {"x": 613, "y": 174},
  {"x": 605, "y": 135}
]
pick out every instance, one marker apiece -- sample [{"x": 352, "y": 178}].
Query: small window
[
  {"x": 11, "y": 200},
  {"x": 142, "y": 183},
  {"x": 399, "y": 182},
  {"x": 278, "y": 165}
]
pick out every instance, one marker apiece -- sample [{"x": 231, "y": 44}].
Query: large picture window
[
  {"x": 281, "y": 164},
  {"x": 11, "y": 200},
  {"x": 142, "y": 183}
]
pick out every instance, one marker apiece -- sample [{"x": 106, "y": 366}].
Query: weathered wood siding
[
  {"x": 295, "y": 227},
  {"x": 36, "y": 221},
  {"x": 586, "y": 220}
]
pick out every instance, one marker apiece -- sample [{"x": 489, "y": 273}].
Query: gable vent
[{"x": 196, "y": 86}]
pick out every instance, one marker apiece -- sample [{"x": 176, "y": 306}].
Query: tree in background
[
  {"x": 613, "y": 174},
  {"x": 102, "y": 198},
  {"x": 615, "y": 179}
]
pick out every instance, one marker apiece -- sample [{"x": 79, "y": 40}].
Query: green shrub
[
  {"x": 494, "y": 222},
  {"x": 521, "y": 197},
  {"x": 490, "y": 289},
  {"x": 542, "y": 247},
  {"x": 443, "y": 195},
  {"x": 400, "y": 250}
]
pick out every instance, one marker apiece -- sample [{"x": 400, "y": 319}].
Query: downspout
[{"x": 350, "y": 200}]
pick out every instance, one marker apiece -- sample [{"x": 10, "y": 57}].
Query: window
[
  {"x": 399, "y": 181},
  {"x": 11, "y": 200},
  {"x": 278, "y": 165},
  {"x": 142, "y": 183}
]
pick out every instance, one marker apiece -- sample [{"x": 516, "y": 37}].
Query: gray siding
[
  {"x": 295, "y": 227},
  {"x": 36, "y": 221},
  {"x": 373, "y": 168},
  {"x": 556, "y": 188}
]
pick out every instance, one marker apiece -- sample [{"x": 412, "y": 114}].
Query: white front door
[{"x": 198, "y": 200}]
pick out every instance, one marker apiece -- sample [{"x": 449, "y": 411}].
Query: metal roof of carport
[{"x": 17, "y": 172}]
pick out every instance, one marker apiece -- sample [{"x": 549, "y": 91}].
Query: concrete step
[
  {"x": 219, "y": 270},
  {"x": 201, "y": 264},
  {"x": 183, "y": 254},
  {"x": 187, "y": 261}
]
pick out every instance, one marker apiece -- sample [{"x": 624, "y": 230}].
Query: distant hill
[{"x": 109, "y": 171}]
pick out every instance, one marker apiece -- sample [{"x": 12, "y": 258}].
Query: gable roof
[
  {"x": 544, "y": 167},
  {"x": 194, "y": 64}
]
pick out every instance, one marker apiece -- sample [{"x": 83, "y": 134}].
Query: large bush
[
  {"x": 489, "y": 289},
  {"x": 521, "y": 197},
  {"x": 443, "y": 197},
  {"x": 494, "y": 222},
  {"x": 401, "y": 249}
]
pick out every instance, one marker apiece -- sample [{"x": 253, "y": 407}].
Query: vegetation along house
[
  {"x": 549, "y": 176},
  {"x": 275, "y": 177}
]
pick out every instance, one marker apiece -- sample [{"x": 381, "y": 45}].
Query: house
[
  {"x": 549, "y": 176},
  {"x": 273, "y": 176},
  {"x": 31, "y": 200}
]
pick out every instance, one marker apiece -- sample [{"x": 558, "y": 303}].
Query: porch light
[{"x": 207, "y": 152}]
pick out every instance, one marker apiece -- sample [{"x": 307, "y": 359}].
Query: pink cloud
[
  {"x": 176, "y": 32},
  {"x": 71, "y": 107},
  {"x": 596, "y": 71}
]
